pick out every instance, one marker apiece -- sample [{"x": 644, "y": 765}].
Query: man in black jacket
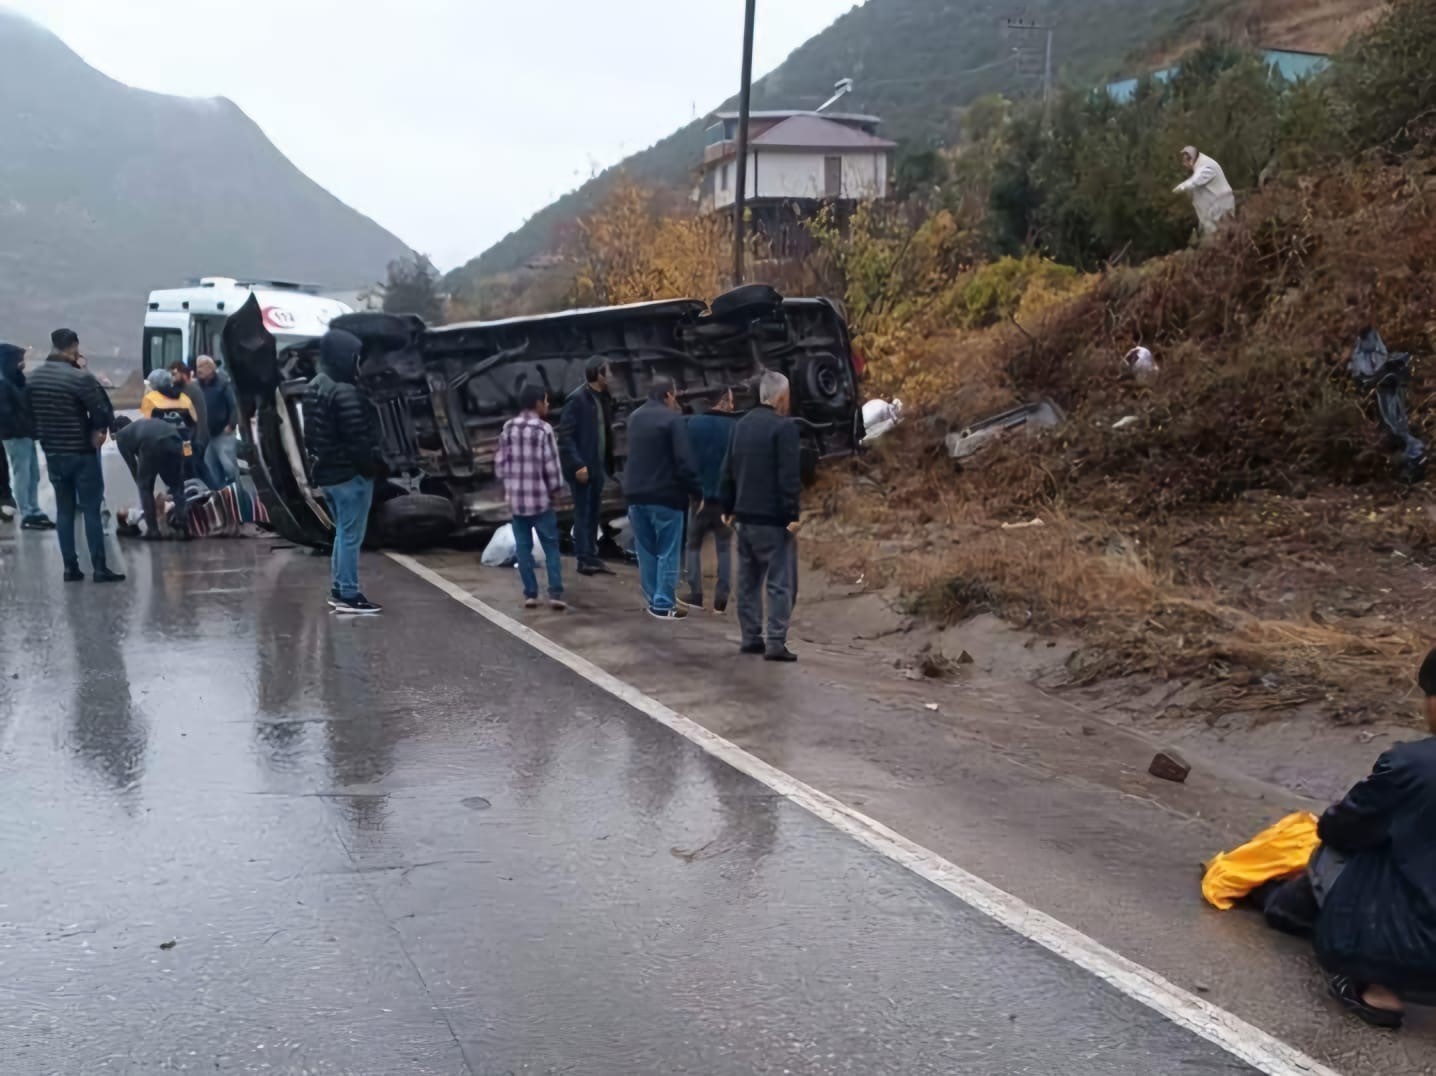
[
  {"x": 152, "y": 448},
  {"x": 72, "y": 415},
  {"x": 17, "y": 434},
  {"x": 585, "y": 446},
  {"x": 341, "y": 432},
  {"x": 1375, "y": 880},
  {"x": 659, "y": 479},
  {"x": 762, "y": 483}
]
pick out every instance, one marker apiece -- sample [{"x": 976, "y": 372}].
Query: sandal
[{"x": 1349, "y": 994}]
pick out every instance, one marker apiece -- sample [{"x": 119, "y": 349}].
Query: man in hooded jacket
[
  {"x": 341, "y": 432},
  {"x": 17, "y": 434}
]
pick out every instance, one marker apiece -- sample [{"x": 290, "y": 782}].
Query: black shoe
[
  {"x": 668, "y": 614},
  {"x": 74, "y": 575},
  {"x": 335, "y": 601},
  {"x": 752, "y": 648},
  {"x": 104, "y": 575},
  {"x": 1349, "y": 993},
  {"x": 720, "y": 606},
  {"x": 357, "y": 606},
  {"x": 779, "y": 653},
  {"x": 596, "y": 567},
  {"x": 37, "y": 523}
]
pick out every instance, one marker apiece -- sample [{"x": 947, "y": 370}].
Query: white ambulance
[{"x": 185, "y": 323}]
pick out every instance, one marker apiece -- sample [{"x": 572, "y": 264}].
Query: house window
[
  {"x": 833, "y": 177},
  {"x": 726, "y": 181}
]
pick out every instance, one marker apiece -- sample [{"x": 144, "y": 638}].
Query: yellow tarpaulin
[{"x": 1277, "y": 852}]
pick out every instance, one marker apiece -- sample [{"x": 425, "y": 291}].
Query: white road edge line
[{"x": 1234, "y": 1035}]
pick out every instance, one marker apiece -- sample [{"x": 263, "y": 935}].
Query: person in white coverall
[{"x": 1212, "y": 195}]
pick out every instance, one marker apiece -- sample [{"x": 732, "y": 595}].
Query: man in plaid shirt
[{"x": 527, "y": 464}]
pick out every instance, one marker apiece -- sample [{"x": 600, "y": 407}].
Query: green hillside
[{"x": 914, "y": 62}]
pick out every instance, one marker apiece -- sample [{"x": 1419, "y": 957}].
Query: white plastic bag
[
  {"x": 879, "y": 417},
  {"x": 500, "y": 552}
]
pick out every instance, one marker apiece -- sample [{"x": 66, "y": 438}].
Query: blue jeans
[
  {"x": 658, "y": 538},
  {"x": 349, "y": 504},
  {"x": 546, "y": 526},
  {"x": 24, "y": 476},
  {"x": 79, "y": 479},
  {"x": 587, "y": 505},
  {"x": 221, "y": 460}
]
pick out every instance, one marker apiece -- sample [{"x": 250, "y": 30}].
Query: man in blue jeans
[
  {"x": 659, "y": 481},
  {"x": 527, "y": 464},
  {"x": 17, "y": 434},
  {"x": 585, "y": 445},
  {"x": 72, "y": 417},
  {"x": 341, "y": 432}
]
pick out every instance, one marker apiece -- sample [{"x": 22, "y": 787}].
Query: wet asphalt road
[{"x": 411, "y": 844}]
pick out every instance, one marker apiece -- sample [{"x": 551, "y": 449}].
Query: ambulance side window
[{"x": 162, "y": 347}]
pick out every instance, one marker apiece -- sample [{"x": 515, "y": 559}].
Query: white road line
[{"x": 1236, "y": 1036}]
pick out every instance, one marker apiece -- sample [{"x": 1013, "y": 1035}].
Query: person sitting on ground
[
  {"x": 659, "y": 480},
  {"x": 762, "y": 484},
  {"x": 527, "y": 464},
  {"x": 710, "y": 434},
  {"x": 167, "y": 402},
  {"x": 152, "y": 448},
  {"x": 1375, "y": 880}
]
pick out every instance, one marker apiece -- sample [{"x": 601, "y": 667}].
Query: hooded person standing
[
  {"x": 1212, "y": 195},
  {"x": 17, "y": 433},
  {"x": 72, "y": 415},
  {"x": 341, "y": 432},
  {"x": 222, "y": 458}
]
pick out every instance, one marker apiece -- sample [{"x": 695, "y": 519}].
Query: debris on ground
[
  {"x": 879, "y": 417},
  {"x": 1388, "y": 376},
  {"x": 1139, "y": 364},
  {"x": 1169, "y": 766},
  {"x": 964, "y": 444}
]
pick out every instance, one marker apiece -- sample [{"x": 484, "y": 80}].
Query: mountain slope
[
  {"x": 107, "y": 191},
  {"x": 914, "y": 61}
]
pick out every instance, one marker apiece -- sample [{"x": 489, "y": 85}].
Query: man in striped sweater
[{"x": 72, "y": 416}]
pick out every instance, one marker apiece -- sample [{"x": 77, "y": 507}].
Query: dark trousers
[
  {"x": 167, "y": 465},
  {"x": 701, "y": 523},
  {"x": 5, "y": 494},
  {"x": 767, "y": 563},
  {"x": 78, "y": 480},
  {"x": 587, "y": 505}
]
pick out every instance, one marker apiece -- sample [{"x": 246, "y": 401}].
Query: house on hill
[
  {"x": 1290, "y": 64},
  {"x": 797, "y": 161}
]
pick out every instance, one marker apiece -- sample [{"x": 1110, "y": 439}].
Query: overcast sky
[{"x": 448, "y": 121}]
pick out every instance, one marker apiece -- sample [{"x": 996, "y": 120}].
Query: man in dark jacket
[
  {"x": 341, "y": 432},
  {"x": 1375, "y": 880},
  {"x": 585, "y": 447},
  {"x": 152, "y": 448},
  {"x": 17, "y": 434},
  {"x": 184, "y": 381},
  {"x": 72, "y": 415},
  {"x": 659, "y": 480},
  {"x": 222, "y": 459},
  {"x": 762, "y": 483},
  {"x": 710, "y": 434}
]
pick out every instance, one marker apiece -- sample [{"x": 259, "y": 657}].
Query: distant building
[
  {"x": 1288, "y": 63},
  {"x": 803, "y": 156}
]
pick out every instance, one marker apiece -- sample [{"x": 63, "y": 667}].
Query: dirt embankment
[{"x": 1235, "y": 530}]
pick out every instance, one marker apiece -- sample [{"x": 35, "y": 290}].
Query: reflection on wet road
[{"x": 410, "y": 844}]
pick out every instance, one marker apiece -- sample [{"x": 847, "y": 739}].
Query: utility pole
[
  {"x": 1030, "y": 53},
  {"x": 745, "y": 101}
]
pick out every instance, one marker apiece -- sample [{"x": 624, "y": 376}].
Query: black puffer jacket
[
  {"x": 69, "y": 407},
  {"x": 1378, "y": 924},
  {"x": 341, "y": 429},
  {"x": 15, "y": 419}
]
